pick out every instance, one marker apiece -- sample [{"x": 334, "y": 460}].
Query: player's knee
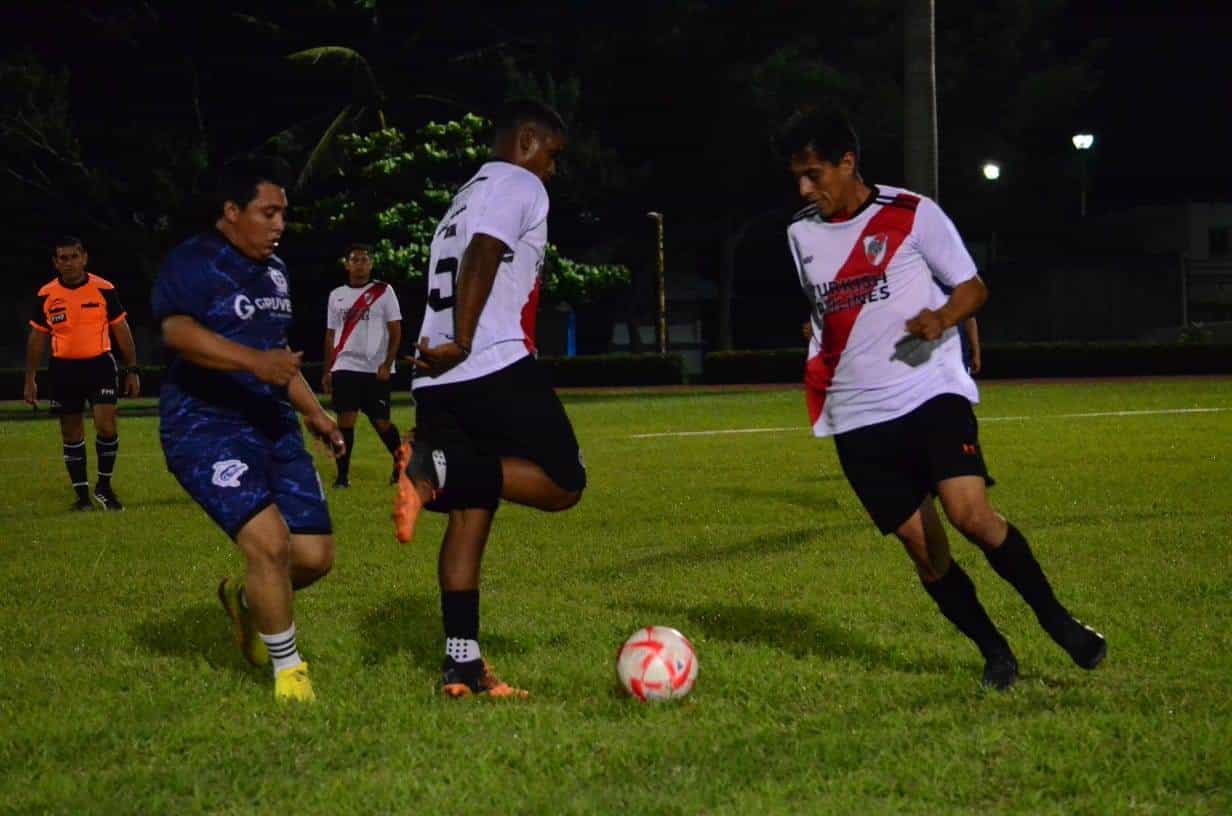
[
  {"x": 272, "y": 552},
  {"x": 567, "y": 499},
  {"x": 317, "y": 560},
  {"x": 972, "y": 519}
]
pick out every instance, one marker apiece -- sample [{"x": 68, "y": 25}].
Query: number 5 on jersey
[{"x": 444, "y": 279}]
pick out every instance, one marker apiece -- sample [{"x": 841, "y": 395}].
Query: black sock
[
  {"x": 1014, "y": 562},
  {"x": 955, "y": 595},
  {"x": 460, "y": 615},
  {"x": 75, "y": 461},
  {"x": 344, "y": 461},
  {"x": 107, "y": 450},
  {"x": 392, "y": 440}
]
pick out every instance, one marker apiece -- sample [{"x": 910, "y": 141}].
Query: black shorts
[
  {"x": 893, "y": 466},
  {"x": 357, "y": 391},
  {"x": 75, "y": 382},
  {"x": 511, "y": 412}
]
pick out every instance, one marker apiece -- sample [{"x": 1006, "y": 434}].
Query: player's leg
[
  {"x": 464, "y": 672},
  {"x": 961, "y": 480},
  {"x": 107, "y": 447},
  {"x": 965, "y": 499},
  {"x": 267, "y": 597},
  {"x": 346, "y": 403},
  {"x": 951, "y": 589},
  {"x": 377, "y": 409},
  {"x": 73, "y": 437},
  {"x": 346, "y": 425}
]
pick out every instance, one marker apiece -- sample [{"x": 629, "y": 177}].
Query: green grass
[{"x": 829, "y": 683}]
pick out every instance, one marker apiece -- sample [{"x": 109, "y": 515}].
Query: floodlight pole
[{"x": 658, "y": 219}]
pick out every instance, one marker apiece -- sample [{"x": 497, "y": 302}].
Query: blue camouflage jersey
[{"x": 245, "y": 301}]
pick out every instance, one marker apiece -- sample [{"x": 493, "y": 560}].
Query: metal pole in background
[{"x": 658, "y": 219}]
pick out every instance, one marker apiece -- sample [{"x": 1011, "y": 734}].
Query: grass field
[{"x": 829, "y": 683}]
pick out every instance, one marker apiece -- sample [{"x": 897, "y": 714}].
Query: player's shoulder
[
  {"x": 805, "y": 214},
  {"x": 887, "y": 196},
  {"x": 198, "y": 255},
  {"x": 511, "y": 179},
  {"x": 99, "y": 282},
  {"x": 51, "y": 286}
]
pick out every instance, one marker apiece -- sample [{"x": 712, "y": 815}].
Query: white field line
[{"x": 1088, "y": 415}]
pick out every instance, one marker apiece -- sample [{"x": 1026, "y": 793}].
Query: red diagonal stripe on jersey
[
  {"x": 895, "y": 222},
  {"x": 530, "y": 311}
]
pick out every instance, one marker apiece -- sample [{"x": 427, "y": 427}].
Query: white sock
[
  {"x": 282, "y": 651},
  {"x": 462, "y": 650}
]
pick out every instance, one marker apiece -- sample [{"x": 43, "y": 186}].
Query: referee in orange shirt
[{"x": 80, "y": 313}]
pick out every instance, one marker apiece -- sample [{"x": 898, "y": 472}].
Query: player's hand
[
  {"x": 807, "y": 331},
  {"x": 382, "y": 373},
  {"x": 277, "y": 366},
  {"x": 975, "y": 362},
  {"x": 927, "y": 325},
  {"x": 436, "y": 360},
  {"x": 327, "y": 382},
  {"x": 323, "y": 427},
  {"x": 30, "y": 392},
  {"x": 132, "y": 385}
]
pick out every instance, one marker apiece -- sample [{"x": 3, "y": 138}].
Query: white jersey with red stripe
[
  {"x": 510, "y": 204},
  {"x": 367, "y": 342},
  {"x": 865, "y": 277}
]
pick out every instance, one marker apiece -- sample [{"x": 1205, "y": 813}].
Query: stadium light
[
  {"x": 1082, "y": 143},
  {"x": 992, "y": 170}
]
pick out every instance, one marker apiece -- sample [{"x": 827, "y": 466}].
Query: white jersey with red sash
[
  {"x": 865, "y": 277},
  {"x": 359, "y": 317}
]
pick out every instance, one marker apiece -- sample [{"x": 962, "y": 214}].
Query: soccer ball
[{"x": 657, "y": 663}]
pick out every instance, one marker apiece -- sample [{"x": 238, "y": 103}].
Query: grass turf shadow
[
  {"x": 794, "y": 633},
  {"x": 413, "y": 625},
  {"x": 197, "y": 631}
]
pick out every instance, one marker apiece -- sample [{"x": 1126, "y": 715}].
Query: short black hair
[
  {"x": 238, "y": 180},
  {"x": 826, "y": 131},
  {"x": 356, "y": 246},
  {"x": 517, "y": 112},
  {"x": 66, "y": 241}
]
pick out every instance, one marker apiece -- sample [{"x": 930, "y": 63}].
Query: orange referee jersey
[{"x": 78, "y": 318}]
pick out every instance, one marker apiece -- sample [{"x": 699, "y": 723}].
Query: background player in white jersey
[
  {"x": 885, "y": 377},
  {"x": 488, "y": 425},
  {"x": 363, "y": 329}
]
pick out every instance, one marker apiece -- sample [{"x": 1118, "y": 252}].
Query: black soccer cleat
[
  {"x": 82, "y": 505},
  {"x": 342, "y": 481},
  {"x": 1086, "y": 647},
  {"x": 106, "y": 497},
  {"x": 475, "y": 679},
  {"x": 1000, "y": 672}
]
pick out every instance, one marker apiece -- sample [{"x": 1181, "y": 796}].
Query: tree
[{"x": 397, "y": 189}]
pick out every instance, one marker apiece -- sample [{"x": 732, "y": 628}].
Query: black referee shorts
[
  {"x": 76, "y": 382},
  {"x": 510, "y": 412},
  {"x": 894, "y": 465},
  {"x": 359, "y": 391}
]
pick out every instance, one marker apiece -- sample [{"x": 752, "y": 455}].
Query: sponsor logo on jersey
[
  {"x": 59, "y": 317},
  {"x": 91, "y": 305},
  {"x": 279, "y": 280},
  {"x": 848, "y": 293},
  {"x": 875, "y": 247},
  {"x": 106, "y": 392},
  {"x": 227, "y": 472},
  {"x": 246, "y": 307}
]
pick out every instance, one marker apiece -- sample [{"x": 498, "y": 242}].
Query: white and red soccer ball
[{"x": 657, "y": 663}]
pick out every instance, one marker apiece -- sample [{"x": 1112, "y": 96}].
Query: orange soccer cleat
[
  {"x": 407, "y": 504},
  {"x": 482, "y": 684}
]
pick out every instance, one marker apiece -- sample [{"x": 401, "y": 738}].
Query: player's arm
[
  {"x": 943, "y": 250},
  {"x": 973, "y": 336},
  {"x": 327, "y": 378},
  {"x": 391, "y": 353},
  {"x": 123, "y": 335},
  {"x": 36, "y": 348},
  {"x": 318, "y": 422},
  {"x": 477, "y": 274},
  {"x": 200, "y": 346}
]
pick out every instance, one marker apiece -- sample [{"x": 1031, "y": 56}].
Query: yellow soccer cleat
[
  {"x": 246, "y": 637},
  {"x": 293, "y": 685}
]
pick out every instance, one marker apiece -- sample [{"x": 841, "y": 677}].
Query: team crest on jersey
[
  {"x": 227, "y": 472},
  {"x": 875, "y": 248},
  {"x": 279, "y": 280}
]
